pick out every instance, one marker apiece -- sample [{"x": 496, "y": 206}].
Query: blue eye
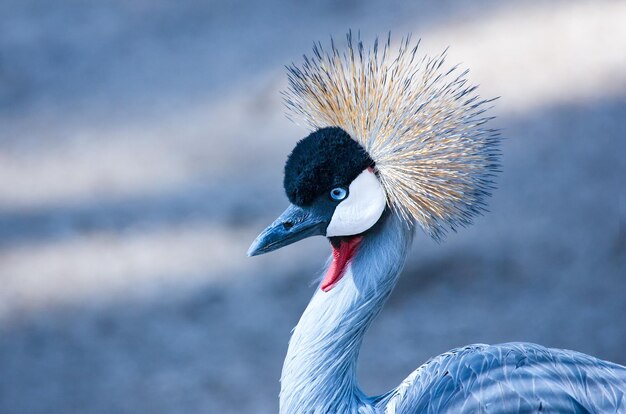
[{"x": 338, "y": 193}]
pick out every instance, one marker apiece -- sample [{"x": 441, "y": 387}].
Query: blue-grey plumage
[
  {"x": 399, "y": 144},
  {"x": 511, "y": 378},
  {"x": 319, "y": 374}
]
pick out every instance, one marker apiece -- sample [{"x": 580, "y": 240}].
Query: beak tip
[
  {"x": 257, "y": 247},
  {"x": 252, "y": 250}
]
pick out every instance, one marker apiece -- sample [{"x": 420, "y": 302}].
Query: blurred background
[{"x": 141, "y": 151}]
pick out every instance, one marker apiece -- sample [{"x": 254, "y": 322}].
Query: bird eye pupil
[{"x": 338, "y": 193}]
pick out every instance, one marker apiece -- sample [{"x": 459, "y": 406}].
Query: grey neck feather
[{"x": 319, "y": 373}]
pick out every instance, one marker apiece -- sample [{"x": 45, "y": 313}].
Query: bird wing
[{"x": 510, "y": 378}]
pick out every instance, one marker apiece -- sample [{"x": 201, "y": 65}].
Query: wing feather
[{"x": 510, "y": 378}]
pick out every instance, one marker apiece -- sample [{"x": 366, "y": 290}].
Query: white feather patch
[{"x": 361, "y": 209}]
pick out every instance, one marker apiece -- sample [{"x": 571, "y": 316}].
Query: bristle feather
[{"x": 422, "y": 125}]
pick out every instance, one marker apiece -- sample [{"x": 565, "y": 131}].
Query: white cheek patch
[{"x": 361, "y": 209}]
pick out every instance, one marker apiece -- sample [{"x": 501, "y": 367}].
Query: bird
[{"x": 399, "y": 142}]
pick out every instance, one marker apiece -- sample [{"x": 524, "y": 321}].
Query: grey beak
[{"x": 295, "y": 224}]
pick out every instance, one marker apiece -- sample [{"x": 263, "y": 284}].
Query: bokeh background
[{"x": 141, "y": 151}]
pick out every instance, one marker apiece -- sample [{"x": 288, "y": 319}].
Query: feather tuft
[{"x": 422, "y": 124}]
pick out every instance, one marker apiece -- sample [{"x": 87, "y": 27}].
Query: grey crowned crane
[{"x": 398, "y": 142}]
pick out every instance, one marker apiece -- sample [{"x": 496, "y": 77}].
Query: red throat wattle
[{"x": 343, "y": 251}]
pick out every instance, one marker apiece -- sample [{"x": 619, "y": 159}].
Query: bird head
[
  {"x": 331, "y": 182},
  {"x": 397, "y": 133}
]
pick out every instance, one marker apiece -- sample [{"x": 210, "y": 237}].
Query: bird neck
[{"x": 319, "y": 373}]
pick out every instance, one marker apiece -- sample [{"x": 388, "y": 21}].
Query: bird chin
[{"x": 344, "y": 249}]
